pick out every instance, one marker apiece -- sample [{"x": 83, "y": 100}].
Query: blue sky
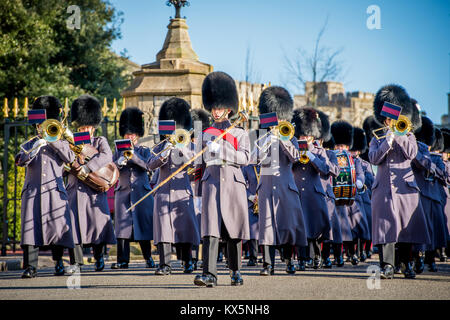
[{"x": 412, "y": 48}]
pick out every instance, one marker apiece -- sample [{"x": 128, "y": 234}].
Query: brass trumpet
[
  {"x": 304, "y": 159},
  {"x": 128, "y": 154},
  {"x": 51, "y": 130},
  {"x": 180, "y": 138},
  {"x": 399, "y": 127}
]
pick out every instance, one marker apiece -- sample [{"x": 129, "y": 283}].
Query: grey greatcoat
[
  {"x": 174, "y": 218},
  {"x": 440, "y": 187},
  {"x": 133, "y": 184},
  {"x": 312, "y": 194},
  {"x": 445, "y": 190},
  {"x": 423, "y": 166},
  {"x": 91, "y": 216},
  {"x": 326, "y": 179},
  {"x": 45, "y": 214},
  {"x": 280, "y": 211},
  {"x": 224, "y": 195},
  {"x": 397, "y": 213},
  {"x": 357, "y": 214},
  {"x": 252, "y": 182}
]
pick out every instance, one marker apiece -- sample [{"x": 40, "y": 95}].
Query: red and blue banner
[
  {"x": 82, "y": 138},
  {"x": 303, "y": 145},
  {"x": 37, "y": 116},
  {"x": 391, "y": 111},
  {"x": 267, "y": 120},
  {"x": 123, "y": 145},
  {"x": 166, "y": 127}
]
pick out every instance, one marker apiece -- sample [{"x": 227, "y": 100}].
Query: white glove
[
  {"x": 390, "y": 137},
  {"x": 122, "y": 161},
  {"x": 310, "y": 155},
  {"x": 359, "y": 184},
  {"x": 213, "y": 147},
  {"x": 37, "y": 146},
  {"x": 252, "y": 198}
]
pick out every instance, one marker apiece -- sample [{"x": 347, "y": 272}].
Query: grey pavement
[{"x": 140, "y": 283}]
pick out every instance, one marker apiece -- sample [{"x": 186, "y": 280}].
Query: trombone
[
  {"x": 180, "y": 138},
  {"x": 242, "y": 118},
  {"x": 50, "y": 130},
  {"x": 399, "y": 127},
  {"x": 283, "y": 131}
]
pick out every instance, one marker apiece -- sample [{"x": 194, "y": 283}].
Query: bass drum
[{"x": 344, "y": 185}]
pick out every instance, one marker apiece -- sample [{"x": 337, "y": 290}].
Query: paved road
[{"x": 138, "y": 282}]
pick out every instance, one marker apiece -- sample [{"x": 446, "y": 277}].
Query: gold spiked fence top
[{"x": 19, "y": 109}]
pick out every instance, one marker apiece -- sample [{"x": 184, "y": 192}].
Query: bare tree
[{"x": 321, "y": 65}]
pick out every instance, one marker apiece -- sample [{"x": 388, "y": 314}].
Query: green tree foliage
[{"x": 40, "y": 54}]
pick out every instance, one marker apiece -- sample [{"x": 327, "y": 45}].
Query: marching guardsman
[
  {"x": 332, "y": 166},
  {"x": 203, "y": 118},
  {"x": 174, "y": 220},
  {"x": 224, "y": 196},
  {"x": 252, "y": 176},
  {"x": 92, "y": 222},
  {"x": 446, "y": 174},
  {"x": 308, "y": 127},
  {"x": 361, "y": 211},
  {"x": 440, "y": 183},
  {"x": 397, "y": 213},
  {"x": 426, "y": 172},
  {"x": 45, "y": 213},
  {"x": 132, "y": 161},
  {"x": 281, "y": 222},
  {"x": 350, "y": 216}
]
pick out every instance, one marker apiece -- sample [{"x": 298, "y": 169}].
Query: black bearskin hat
[
  {"x": 219, "y": 91},
  {"x": 86, "y": 111},
  {"x": 359, "y": 140},
  {"x": 426, "y": 132},
  {"x": 203, "y": 116},
  {"x": 131, "y": 121},
  {"x": 329, "y": 144},
  {"x": 276, "y": 99},
  {"x": 179, "y": 110},
  {"x": 51, "y": 104},
  {"x": 307, "y": 123},
  {"x": 342, "y": 132},
  {"x": 325, "y": 132},
  {"x": 446, "y": 138},
  {"x": 438, "y": 145},
  {"x": 397, "y": 95}
]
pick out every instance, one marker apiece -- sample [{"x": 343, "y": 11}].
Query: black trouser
[
  {"x": 165, "y": 252},
  {"x": 252, "y": 248},
  {"x": 76, "y": 255},
  {"x": 211, "y": 248},
  {"x": 387, "y": 253},
  {"x": 286, "y": 250},
  {"x": 31, "y": 255},
  {"x": 123, "y": 249},
  {"x": 326, "y": 249},
  {"x": 351, "y": 247},
  {"x": 430, "y": 256}
]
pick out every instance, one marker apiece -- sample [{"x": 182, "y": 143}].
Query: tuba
[{"x": 399, "y": 127}]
